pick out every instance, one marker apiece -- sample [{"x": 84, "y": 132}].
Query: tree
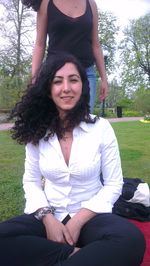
[
  {"x": 116, "y": 93},
  {"x": 135, "y": 56},
  {"x": 107, "y": 33},
  {"x": 142, "y": 100},
  {"x": 15, "y": 28}
]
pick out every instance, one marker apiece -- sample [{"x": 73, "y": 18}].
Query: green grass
[
  {"x": 11, "y": 170},
  {"x": 134, "y": 144}
]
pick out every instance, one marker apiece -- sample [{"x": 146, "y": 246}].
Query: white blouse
[{"x": 76, "y": 185}]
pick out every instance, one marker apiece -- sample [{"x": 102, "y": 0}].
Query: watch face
[{"x": 43, "y": 211}]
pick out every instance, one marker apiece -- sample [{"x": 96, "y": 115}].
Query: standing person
[
  {"x": 68, "y": 221},
  {"x": 72, "y": 26}
]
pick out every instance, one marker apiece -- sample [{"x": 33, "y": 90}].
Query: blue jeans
[{"x": 91, "y": 75}]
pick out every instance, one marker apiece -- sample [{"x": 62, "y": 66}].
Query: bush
[
  {"x": 132, "y": 113},
  {"x": 107, "y": 113},
  {"x": 142, "y": 100},
  {"x": 11, "y": 89},
  {"x": 147, "y": 117},
  {"x": 97, "y": 111}
]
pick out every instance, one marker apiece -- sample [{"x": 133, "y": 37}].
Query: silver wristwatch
[{"x": 39, "y": 214}]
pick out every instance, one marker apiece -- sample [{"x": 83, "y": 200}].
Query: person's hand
[
  {"x": 75, "y": 224},
  {"x": 103, "y": 90},
  {"x": 56, "y": 231},
  {"x": 74, "y": 228}
]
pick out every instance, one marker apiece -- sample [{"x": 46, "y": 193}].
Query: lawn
[
  {"x": 134, "y": 144},
  {"x": 11, "y": 170}
]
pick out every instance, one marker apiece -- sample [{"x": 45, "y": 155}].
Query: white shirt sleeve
[
  {"x": 32, "y": 183},
  {"x": 111, "y": 170}
]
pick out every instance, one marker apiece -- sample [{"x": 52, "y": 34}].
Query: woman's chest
[
  {"x": 79, "y": 160},
  {"x": 62, "y": 22},
  {"x": 66, "y": 145},
  {"x": 71, "y": 8}
]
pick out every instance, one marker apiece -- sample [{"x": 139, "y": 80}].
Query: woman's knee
[
  {"x": 22, "y": 225},
  {"x": 126, "y": 237},
  {"x": 135, "y": 239},
  {"x": 131, "y": 243}
]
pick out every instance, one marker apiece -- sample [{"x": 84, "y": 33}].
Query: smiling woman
[{"x": 62, "y": 87}]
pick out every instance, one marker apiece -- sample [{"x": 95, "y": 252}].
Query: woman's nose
[{"x": 66, "y": 86}]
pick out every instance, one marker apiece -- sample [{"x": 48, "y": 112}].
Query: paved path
[
  {"x": 6, "y": 126},
  {"x": 125, "y": 119}
]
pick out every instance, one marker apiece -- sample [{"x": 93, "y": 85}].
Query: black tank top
[{"x": 73, "y": 35}]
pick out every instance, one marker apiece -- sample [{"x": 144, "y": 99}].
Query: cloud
[{"x": 125, "y": 9}]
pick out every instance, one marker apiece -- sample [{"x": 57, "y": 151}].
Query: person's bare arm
[
  {"x": 75, "y": 224},
  {"x": 98, "y": 54},
  {"x": 41, "y": 36}
]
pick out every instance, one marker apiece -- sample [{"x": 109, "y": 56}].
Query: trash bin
[{"x": 119, "y": 111}]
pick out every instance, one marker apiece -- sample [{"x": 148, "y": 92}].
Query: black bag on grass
[{"x": 134, "y": 203}]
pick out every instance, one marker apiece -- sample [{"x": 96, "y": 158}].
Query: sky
[
  {"x": 125, "y": 10},
  {"x": 122, "y": 9}
]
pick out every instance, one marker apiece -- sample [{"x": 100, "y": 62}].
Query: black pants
[{"x": 106, "y": 240}]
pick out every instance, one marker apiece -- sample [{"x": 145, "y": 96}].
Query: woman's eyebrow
[
  {"x": 74, "y": 75},
  {"x": 71, "y": 75},
  {"x": 58, "y": 76}
]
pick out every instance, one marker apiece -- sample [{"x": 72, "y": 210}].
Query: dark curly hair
[
  {"x": 35, "y": 4},
  {"x": 36, "y": 114}
]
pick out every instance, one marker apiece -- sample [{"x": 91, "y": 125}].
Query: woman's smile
[{"x": 67, "y": 99}]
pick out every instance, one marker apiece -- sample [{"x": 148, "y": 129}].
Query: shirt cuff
[{"x": 98, "y": 207}]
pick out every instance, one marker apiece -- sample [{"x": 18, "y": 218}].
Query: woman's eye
[
  {"x": 74, "y": 80},
  {"x": 56, "y": 81}
]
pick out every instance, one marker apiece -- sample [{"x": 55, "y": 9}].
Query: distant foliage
[
  {"x": 132, "y": 113},
  {"x": 108, "y": 31},
  {"x": 135, "y": 57},
  {"x": 11, "y": 90},
  {"x": 16, "y": 26},
  {"x": 142, "y": 100}
]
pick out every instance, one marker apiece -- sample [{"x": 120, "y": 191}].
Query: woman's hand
[
  {"x": 75, "y": 224},
  {"x": 103, "y": 90},
  {"x": 74, "y": 227},
  {"x": 56, "y": 231}
]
